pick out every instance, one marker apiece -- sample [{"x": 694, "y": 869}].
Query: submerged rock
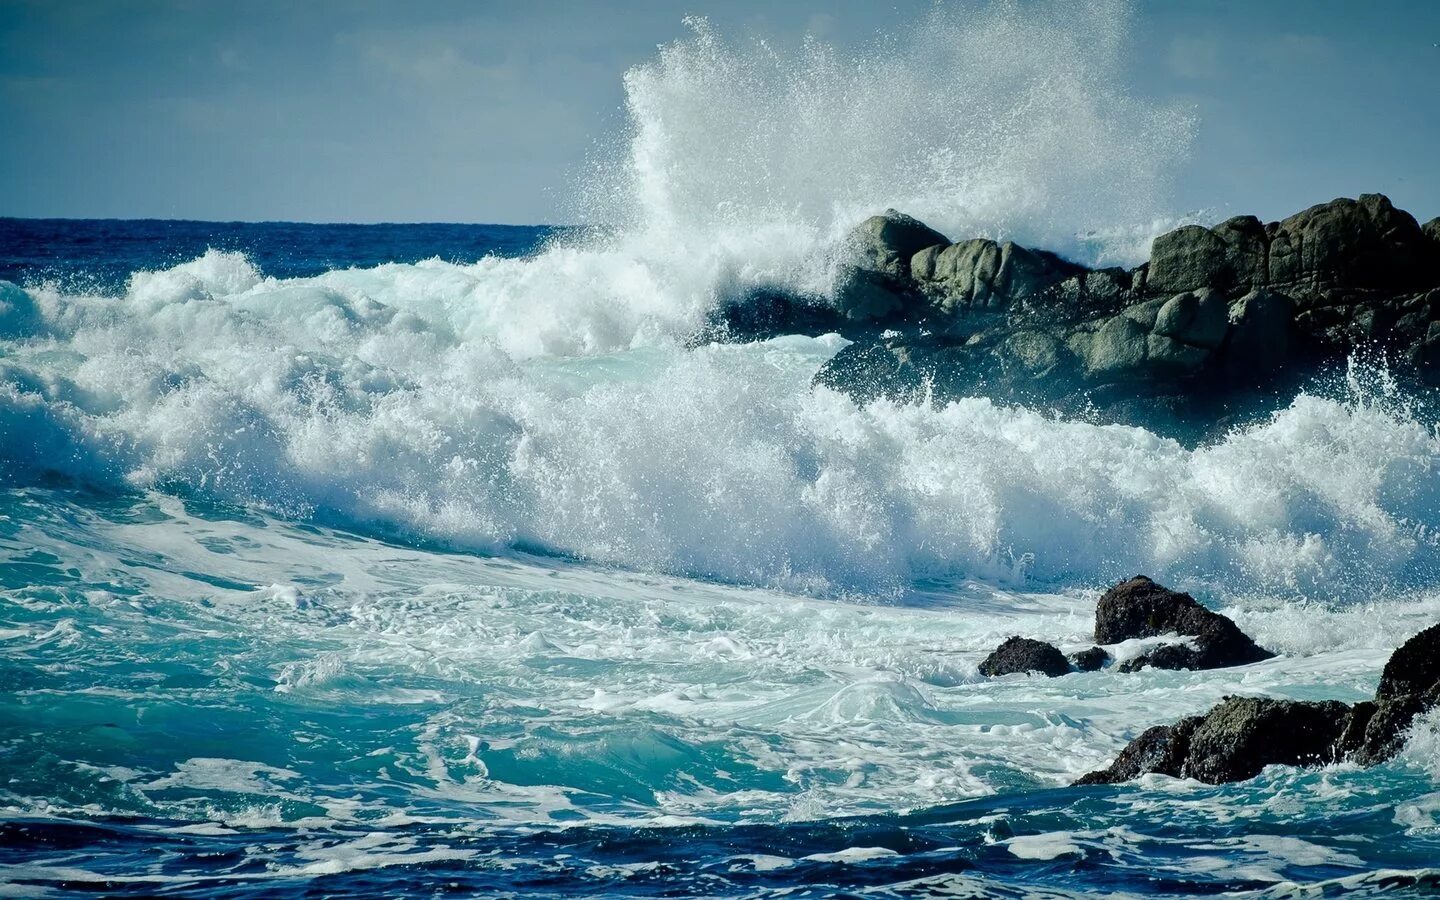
[
  {"x": 1242, "y": 735},
  {"x": 1140, "y": 608},
  {"x": 1019, "y": 654}
]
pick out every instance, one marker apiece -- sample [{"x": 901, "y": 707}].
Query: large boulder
[
  {"x": 1156, "y": 339},
  {"x": 1258, "y": 340},
  {"x": 1140, "y": 608},
  {"x": 1365, "y": 243},
  {"x": 874, "y": 279},
  {"x": 983, "y": 274},
  {"x": 1019, "y": 654},
  {"x": 1236, "y": 740},
  {"x": 1229, "y": 258}
]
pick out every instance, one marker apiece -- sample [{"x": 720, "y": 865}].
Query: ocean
[{"x": 420, "y": 560}]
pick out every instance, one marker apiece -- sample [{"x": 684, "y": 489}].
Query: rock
[
  {"x": 1140, "y": 608},
  {"x": 1409, "y": 685},
  {"x": 1229, "y": 257},
  {"x": 1160, "y": 750},
  {"x": 1091, "y": 660},
  {"x": 874, "y": 278},
  {"x": 1019, "y": 654},
  {"x": 1412, "y": 669},
  {"x": 1199, "y": 318},
  {"x": 983, "y": 274},
  {"x": 1258, "y": 339},
  {"x": 1234, "y": 741},
  {"x": 1431, "y": 229},
  {"x": 1364, "y": 243},
  {"x": 1238, "y": 738}
]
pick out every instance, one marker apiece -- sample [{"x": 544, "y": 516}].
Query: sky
[{"x": 428, "y": 110}]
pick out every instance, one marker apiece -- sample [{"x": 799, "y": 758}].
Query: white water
[{"x": 548, "y": 402}]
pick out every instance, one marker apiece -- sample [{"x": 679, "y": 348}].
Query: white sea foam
[{"x": 382, "y": 399}]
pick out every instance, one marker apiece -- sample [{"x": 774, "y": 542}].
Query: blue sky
[{"x": 371, "y": 110}]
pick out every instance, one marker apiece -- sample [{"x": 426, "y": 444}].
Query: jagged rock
[
  {"x": 1431, "y": 229},
  {"x": 1140, "y": 608},
  {"x": 983, "y": 274},
  {"x": 1234, "y": 741},
  {"x": 1160, "y": 750},
  {"x": 1238, "y": 738},
  {"x": 1409, "y": 685},
  {"x": 1019, "y": 654},
  {"x": 875, "y": 279},
  {"x": 1091, "y": 660}
]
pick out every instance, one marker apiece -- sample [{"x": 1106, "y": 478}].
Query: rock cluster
[
  {"x": 1217, "y": 318},
  {"x": 1137, "y": 609},
  {"x": 1242, "y": 735}
]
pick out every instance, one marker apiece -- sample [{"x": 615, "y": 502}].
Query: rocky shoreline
[
  {"x": 1239, "y": 737},
  {"x": 1216, "y": 324}
]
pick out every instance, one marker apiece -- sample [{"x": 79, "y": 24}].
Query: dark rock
[
  {"x": 763, "y": 315},
  {"x": 1160, "y": 750},
  {"x": 874, "y": 280},
  {"x": 1409, "y": 685},
  {"x": 1431, "y": 229},
  {"x": 1412, "y": 669},
  {"x": 1234, "y": 741},
  {"x": 1229, "y": 257},
  {"x": 1020, "y": 654},
  {"x": 1365, "y": 243},
  {"x": 1091, "y": 660},
  {"x": 1258, "y": 340},
  {"x": 1140, "y": 608},
  {"x": 1243, "y": 735},
  {"x": 1238, "y": 738}
]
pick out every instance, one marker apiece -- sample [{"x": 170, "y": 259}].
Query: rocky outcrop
[
  {"x": 1221, "y": 324},
  {"x": 1234, "y": 741},
  {"x": 1018, "y": 654},
  {"x": 1238, "y": 738},
  {"x": 875, "y": 278},
  {"x": 1409, "y": 685},
  {"x": 1139, "y": 608},
  {"x": 981, "y": 274}
]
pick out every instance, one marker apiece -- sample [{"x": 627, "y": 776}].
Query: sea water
[{"x": 418, "y": 560}]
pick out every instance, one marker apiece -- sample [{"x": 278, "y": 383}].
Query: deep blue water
[
  {"x": 422, "y": 560},
  {"x": 99, "y": 254}
]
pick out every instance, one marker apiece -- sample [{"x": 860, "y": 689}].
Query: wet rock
[
  {"x": 1258, "y": 339},
  {"x": 875, "y": 280},
  {"x": 1091, "y": 660},
  {"x": 1409, "y": 685},
  {"x": 983, "y": 274},
  {"x": 1364, "y": 243},
  {"x": 1140, "y": 608},
  {"x": 1019, "y": 654},
  {"x": 1238, "y": 738},
  {"x": 1234, "y": 741},
  {"x": 1229, "y": 257},
  {"x": 1160, "y": 750}
]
